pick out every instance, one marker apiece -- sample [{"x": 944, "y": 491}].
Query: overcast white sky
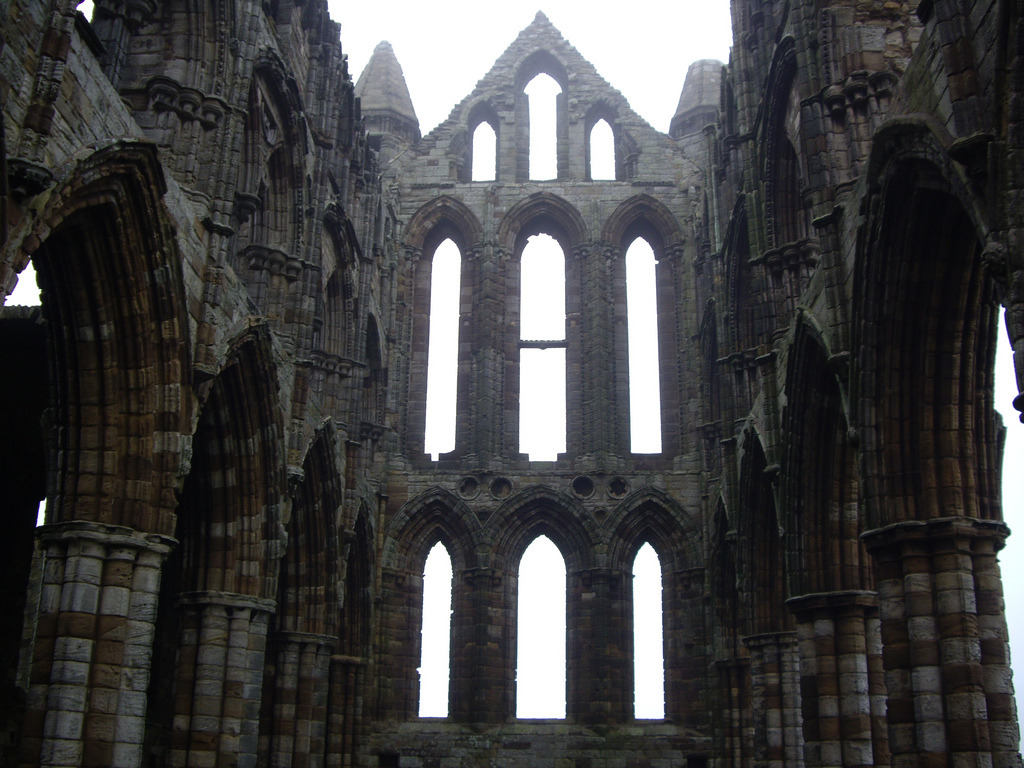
[{"x": 643, "y": 49}]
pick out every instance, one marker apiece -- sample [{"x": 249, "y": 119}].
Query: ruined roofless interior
[{"x": 223, "y": 395}]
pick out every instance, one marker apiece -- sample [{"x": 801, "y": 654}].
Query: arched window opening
[
  {"x": 435, "y": 650},
  {"x": 26, "y": 290},
  {"x": 540, "y": 642},
  {"x": 542, "y": 92},
  {"x": 648, "y": 637},
  {"x": 443, "y": 349},
  {"x": 602, "y": 152},
  {"x": 485, "y": 153},
  {"x": 542, "y": 350},
  {"x": 789, "y": 225},
  {"x": 642, "y": 333},
  {"x": 1012, "y": 556}
]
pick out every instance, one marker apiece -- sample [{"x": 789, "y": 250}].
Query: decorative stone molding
[{"x": 167, "y": 95}]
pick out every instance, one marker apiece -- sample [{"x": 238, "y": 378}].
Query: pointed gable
[{"x": 586, "y": 98}]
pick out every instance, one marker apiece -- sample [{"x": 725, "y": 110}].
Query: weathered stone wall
[{"x": 222, "y": 397}]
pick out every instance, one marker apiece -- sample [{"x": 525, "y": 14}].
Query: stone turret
[
  {"x": 700, "y": 99},
  {"x": 384, "y": 96}
]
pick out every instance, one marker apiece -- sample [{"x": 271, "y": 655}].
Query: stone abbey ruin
[{"x": 222, "y": 397}]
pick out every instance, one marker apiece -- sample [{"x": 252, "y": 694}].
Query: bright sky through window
[
  {"x": 648, "y": 637},
  {"x": 602, "y": 152},
  {"x": 542, "y": 371},
  {"x": 485, "y": 147},
  {"x": 443, "y": 350},
  {"x": 540, "y": 636},
  {"x": 542, "y": 91},
  {"x": 435, "y": 652},
  {"x": 26, "y": 291},
  {"x": 644, "y": 372}
]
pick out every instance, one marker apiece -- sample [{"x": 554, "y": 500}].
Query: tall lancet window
[
  {"x": 648, "y": 637},
  {"x": 602, "y": 152},
  {"x": 443, "y": 349},
  {"x": 435, "y": 650},
  {"x": 543, "y": 91},
  {"x": 540, "y": 635},
  {"x": 644, "y": 370},
  {"x": 542, "y": 350}
]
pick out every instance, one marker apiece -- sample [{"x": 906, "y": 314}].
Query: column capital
[
  {"x": 833, "y": 601},
  {"x": 937, "y": 529},
  {"x": 105, "y": 534},
  {"x": 228, "y": 600}
]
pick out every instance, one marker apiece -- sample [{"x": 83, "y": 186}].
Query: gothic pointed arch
[
  {"x": 819, "y": 482},
  {"x": 236, "y": 479},
  {"x": 303, "y": 631},
  {"x": 434, "y": 515},
  {"x": 538, "y": 511},
  {"x": 784, "y": 175},
  {"x": 231, "y": 527},
  {"x": 271, "y": 184},
  {"x": 643, "y": 216},
  {"x": 649, "y": 515},
  {"x": 441, "y": 218},
  {"x": 542, "y": 212},
  {"x": 308, "y": 584},
  {"x": 539, "y": 62},
  {"x": 481, "y": 112},
  {"x": 762, "y": 578},
  {"x": 110, "y": 274},
  {"x": 918, "y": 436}
]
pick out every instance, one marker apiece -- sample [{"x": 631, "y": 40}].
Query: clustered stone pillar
[
  {"x": 842, "y": 688},
  {"x": 344, "y": 710},
  {"x": 482, "y": 660},
  {"x": 944, "y": 638},
  {"x": 94, "y": 645},
  {"x": 598, "y": 661},
  {"x": 298, "y": 719},
  {"x": 735, "y": 727},
  {"x": 775, "y": 699},
  {"x": 220, "y": 677}
]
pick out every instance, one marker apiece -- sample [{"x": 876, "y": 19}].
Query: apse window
[
  {"x": 443, "y": 350},
  {"x": 485, "y": 153},
  {"x": 602, "y": 152},
  {"x": 543, "y": 92},
  {"x": 644, "y": 369},
  {"x": 648, "y": 637},
  {"x": 435, "y": 648},
  {"x": 540, "y": 638},
  {"x": 542, "y": 349}
]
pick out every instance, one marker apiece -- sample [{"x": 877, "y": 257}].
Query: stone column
[
  {"x": 597, "y": 659},
  {"x": 841, "y": 684},
  {"x": 299, "y": 700},
  {"x": 944, "y": 643},
  {"x": 734, "y": 727},
  {"x": 482, "y": 331},
  {"x": 219, "y": 679},
  {"x": 93, "y": 647},
  {"x": 686, "y": 657},
  {"x": 775, "y": 700},
  {"x": 344, "y": 710},
  {"x": 483, "y": 666}
]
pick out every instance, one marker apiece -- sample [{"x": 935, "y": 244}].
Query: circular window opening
[
  {"x": 469, "y": 487},
  {"x": 501, "y": 488},
  {"x": 583, "y": 487},
  {"x": 617, "y": 488}
]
